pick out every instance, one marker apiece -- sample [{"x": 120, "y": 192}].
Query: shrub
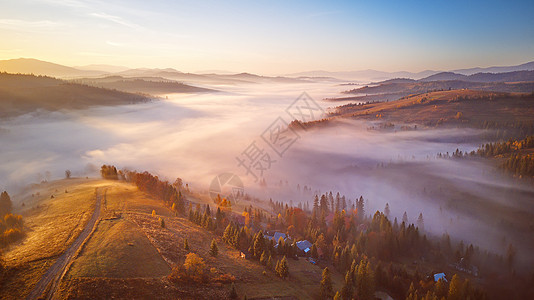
[{"x": 191, "y": 271}]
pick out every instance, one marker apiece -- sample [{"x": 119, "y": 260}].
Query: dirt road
[{"x": 55, "y": 272}]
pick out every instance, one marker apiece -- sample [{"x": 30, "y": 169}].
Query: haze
[{"x": 270, "y": 37}]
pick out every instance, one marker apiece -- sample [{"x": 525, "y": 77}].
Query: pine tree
[
  {"x": 454, "y": 288},
  {"x": 386, "y": 210},
  {"x": 405, "y": 218},
  {"x": 233, "y": 292},
  {"x": 186, "y": 245},
  {"x": 263, "y": 258},
  {"x": 421, "y": 222},
  {"x": 258, "y": 244},
  {"x": 270, "y": 263},
  {"x": 214, "y": 250},
  {"x": 347, "y": 290},
  {"x": 6, "y": 206},
  {"x": 282, "y": 268},
  {"x": 326, "y": 285}
]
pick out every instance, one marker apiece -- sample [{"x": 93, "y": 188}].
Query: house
[
  {"x": 278, "y": 235},
  {"x": 304, "y": 246},
  {"x": 439, "y": 276}
]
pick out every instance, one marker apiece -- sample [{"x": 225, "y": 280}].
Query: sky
[{"x": 270, "y": 37}]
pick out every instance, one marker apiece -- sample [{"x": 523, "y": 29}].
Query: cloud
[
  {"x": 21, "y": 25},
  {"x": 115, "y": 44},
  {"x": 115, "y": 19}
]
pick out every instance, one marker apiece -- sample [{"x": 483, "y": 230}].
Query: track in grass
[{"x": 55, "y": 272}]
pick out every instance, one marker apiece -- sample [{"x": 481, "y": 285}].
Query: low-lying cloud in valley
[{"x": 197, "y": 137}]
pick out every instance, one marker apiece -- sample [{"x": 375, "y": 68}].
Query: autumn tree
[
  {"x": 194, "y": 265},
  {"x": 282, "y": 268},
  {"x": 270, "y": 263},
  {"x": 347, "y": 290},
  {"x": 326, "y": 285},
  {"x": 263, "y": 258},
  {"x": 67, "y": 174},
  {"x": 364, "y": 281},
  {"x": 259, "y": 243},
  {"x": 214, "y": 250},
  {"x": 455, "y": 288}
]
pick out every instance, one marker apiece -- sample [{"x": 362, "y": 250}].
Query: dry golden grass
[
  {"x": 52, "y": 224},
  {"x": 117, "y": 249},
  {"x": 430, "y": 108},
  {"x": 130, "y": 253}
]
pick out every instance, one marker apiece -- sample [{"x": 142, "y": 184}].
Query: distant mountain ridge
[
  {"x": 374, "y": 75},
  {"x": 513, "y": 76},
  {"x": 38, "y": 67}
]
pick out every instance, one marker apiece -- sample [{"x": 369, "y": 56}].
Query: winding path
[{"x": 54, "y": 274}]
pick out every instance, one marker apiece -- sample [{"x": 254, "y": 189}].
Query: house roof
[
  {"x": 439, "y": 276},
  {"x": 303, "y": 245},
  {"x": 278, "y": 235}
]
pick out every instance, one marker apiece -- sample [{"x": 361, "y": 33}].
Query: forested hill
[{"x": 20, "y": 94}]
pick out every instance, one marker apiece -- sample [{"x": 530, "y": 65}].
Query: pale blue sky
[{"x": 270, "y": 37}]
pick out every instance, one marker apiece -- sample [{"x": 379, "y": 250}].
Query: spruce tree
[
  {"x": 263, "y": 258},
  {"x": 186, "y": 245},
  {"x": 233, "y": 292},
  {"x": 282, "y": 268},
  {"x": 5, "y": 204},
  {"x": 326, "y": 285},
  {"x": 214, "y": 250}
]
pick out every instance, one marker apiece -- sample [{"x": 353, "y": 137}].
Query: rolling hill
[
  {"x": 20, "y": 94},
  {"x": 39, "y": 67},
  {"x": 147, "y": 85},
  {"x": 466, "y": 108}
]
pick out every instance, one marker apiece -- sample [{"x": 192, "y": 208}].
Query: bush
[
  {"x": 11, "y": 235},
  {"x": 191, "y": 271}
]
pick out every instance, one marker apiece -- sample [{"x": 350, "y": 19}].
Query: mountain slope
[
  {"x": 148, "y": 85},
  {"x": 39, "y": 67},
  {"x": 20, "y": 94},
  {"x": 522, "y": 67}
]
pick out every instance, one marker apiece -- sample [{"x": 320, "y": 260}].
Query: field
[
  {"x": 129, "y": 254},
  {"x": 466, "y": 107},
  {"x": 51, "y": 225}
]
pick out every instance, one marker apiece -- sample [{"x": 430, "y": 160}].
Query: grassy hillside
[
  {"x": 20, "y": 94},
  {"x": 52, "y": 224},
  {"x": 458, "y": 107},
  {"x": 129, "y": 255}
]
